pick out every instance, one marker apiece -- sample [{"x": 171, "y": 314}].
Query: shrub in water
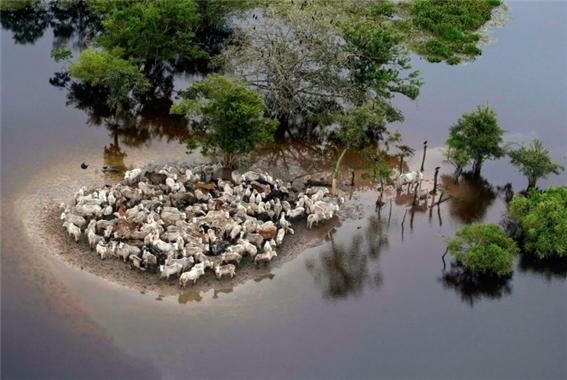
[
  {"x": 542, "y": 218},
  {"x": 484, "y": 249}
]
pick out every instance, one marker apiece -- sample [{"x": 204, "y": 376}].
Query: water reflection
[
  {"x": 290, "y": 158},
  {"x": 346, "y": 270},
  {"x": 548, "y": 269},
  {"x": 113, "y": 158},
  {"x": 138, "y": 125},
  {"x": 470, "y": 197},
  {"x": 69, "y": 20},
  {"x": 472, "y": 288}
]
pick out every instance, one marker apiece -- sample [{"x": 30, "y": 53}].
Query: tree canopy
[
  {"x": 118, "y": 76},
  {"x": 534, "y": 162},
  {"x": 484, "y": 249},
  {"x": 150, "y": 31},
  {"x": 307, "y": 62},
  {"x": 229, "y": 116},
  {"x": 475, "y": 137},
  {"x": 542, "y": 217}
]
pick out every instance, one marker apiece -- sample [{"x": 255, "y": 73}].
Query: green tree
[
  {"x": 120, "y": 78},
  {"x": 362, "y": 128},
  {"x": 534, "y": 162},
  {"x": 475, "y": 137},
  {"x": 542, "y": 218},
  {"x": 484, "y": 249},
  {"x": 228, "y": 115},
  {"x": 378, "y": 169},
  {"x": 150, "y": 31}
]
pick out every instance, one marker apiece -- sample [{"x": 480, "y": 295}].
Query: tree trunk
[
  {"x": 423, "y": 159},
  {"x": 434, "y": 191},
  {"x": 336, "y": 173},
  {"x": 531, "y": 183},
  {"x": 229, "y": 160},
  {"x": 283, "y": 127},
  {"x": 477, "y": 166}
]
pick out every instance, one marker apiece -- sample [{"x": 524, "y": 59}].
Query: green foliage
[
  {"x": 118, "y": 76},
  {"x": 475, "y": 137},
  {"x": 383, "y": 8},
  {"x": 14, "y": 5},
  {"x": 542, "y": 217},
  {"x": 214, "y": 13},
  {"x": 365, "y": 124},
  {"x": 229, "y": 114},
  {"x": 376, "y": 48},
  {"x": 151, "y": 31},
  {"x": 484, "y": 249},
  {"x": 449, "y": 27},
  {"x": 61, "y": 53},
  {"x": 378, "y": 167},
  {"x": 534, "y": 162}
]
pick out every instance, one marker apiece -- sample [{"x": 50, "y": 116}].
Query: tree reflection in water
[
  {"x": 291, "y": 158},
  {"x": 472, "y": 288},
  {"x": 548, "y": 268},
  {"x": 470, "y": 197},
  {"x": 113, "y": 157},
  {"x": 136, "y": 126},
  {"x": 69, "y": 20},
  {"x": 346, "y": 270}
]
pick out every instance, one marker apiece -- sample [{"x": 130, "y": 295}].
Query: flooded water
[{"x": 373, "y": 301}]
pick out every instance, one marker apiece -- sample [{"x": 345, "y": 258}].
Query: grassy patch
[{"x": 449, "y": 28}]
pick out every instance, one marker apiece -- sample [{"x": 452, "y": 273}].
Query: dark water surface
[{"x": 372, "y": 302}]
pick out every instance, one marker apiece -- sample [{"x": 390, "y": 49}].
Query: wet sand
[{"x": 50, "y": 234}]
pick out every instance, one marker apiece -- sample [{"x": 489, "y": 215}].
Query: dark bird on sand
[{"x": 84, "y": 166}]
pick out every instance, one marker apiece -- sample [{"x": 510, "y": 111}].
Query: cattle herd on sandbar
[{"x": 185, "y": 221}]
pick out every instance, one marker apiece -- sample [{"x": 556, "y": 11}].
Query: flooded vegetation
[{"x": 370, "y": 293}]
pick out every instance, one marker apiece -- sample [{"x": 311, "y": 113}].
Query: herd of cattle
[{"x": 184, "y": 221}]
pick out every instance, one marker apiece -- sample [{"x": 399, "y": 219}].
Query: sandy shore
[{"x": 51, "y": 234}]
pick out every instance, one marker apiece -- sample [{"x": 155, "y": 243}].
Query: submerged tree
[
  {"x": 534, "y": 162},
  {"x": 227, "y": 117},
  {"x": 120, "y": 79},
  {"x": 364, "y": 129},
  {"x": 542, "y": 218},
  {"x": 484, "y": 249},
  {"x": 475, "y": 137},
  {"x": 150, "y": 31}
]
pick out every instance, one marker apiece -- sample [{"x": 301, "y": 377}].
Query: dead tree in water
[
  {"x": 423, "y": 158},
  {"x": 415, "y": 192},
  {"x": 434, "y": 191}
]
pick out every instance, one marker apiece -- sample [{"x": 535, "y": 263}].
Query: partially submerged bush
[
  {"x": 450, "y": 27},
  {"x": 542, "y": 218},
  {"x": 484, "y": 249}
]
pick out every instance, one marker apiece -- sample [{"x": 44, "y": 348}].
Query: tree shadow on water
[
  {"x": 68, "y": 20},
  {"x": 473, "y": 288},
  {"x": 346, "y": 270},
  {"x": 470, "y": 196},
  {"x": 554, "y": 268}
]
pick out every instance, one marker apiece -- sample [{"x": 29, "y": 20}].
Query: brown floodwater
[{"x": 373, "y": 300}]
